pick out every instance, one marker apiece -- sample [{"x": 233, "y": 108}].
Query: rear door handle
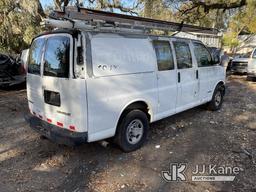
[{"x": 178, "y": 77}]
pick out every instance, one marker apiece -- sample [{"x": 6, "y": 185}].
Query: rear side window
[
  {"x": 203, "y": 56},
  {"x": 35, "y": 55},
  {"x": 183, "y": 55},
  {"x": 163, "y": 55},
  {"x": 56, "y": 58}
]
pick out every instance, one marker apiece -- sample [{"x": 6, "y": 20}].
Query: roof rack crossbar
[{"x": 93, "y": 17}]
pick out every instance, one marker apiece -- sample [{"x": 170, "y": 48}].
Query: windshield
[{"x": 56, "y": 58}]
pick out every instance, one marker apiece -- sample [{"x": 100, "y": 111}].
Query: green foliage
[
  {"x": 230, "y": 40},
  {"x": 243, "y": 20},
  {"x": 156, "y": 9},
  {"x": 208, "y": 13},
  {"x": 19, "y": 20},
  {"x": 19, "y": 23},
  {"x": 30, "y": 32}
]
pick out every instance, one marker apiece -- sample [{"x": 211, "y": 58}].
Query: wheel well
[
  {"x": 138, "y": 105},
  {"x": 141, "y": 105},
  {"x": 222, "y": 85}
]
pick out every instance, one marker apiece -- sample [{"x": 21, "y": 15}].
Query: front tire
[
  {"x": 132, "y": 131},
  {"x": 217, "y": 98}
]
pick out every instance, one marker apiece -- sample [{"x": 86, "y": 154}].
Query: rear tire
[
  {"x": 217, "y": 98},
  {"x": 132, "y": 131}
]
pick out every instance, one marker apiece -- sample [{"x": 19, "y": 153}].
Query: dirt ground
[{"x": 197, "y": 136}]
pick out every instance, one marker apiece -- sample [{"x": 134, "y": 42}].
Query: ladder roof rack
[{"x": 103, "y": 19}]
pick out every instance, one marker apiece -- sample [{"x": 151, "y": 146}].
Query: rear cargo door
[
  {"x": 56, "y": 95},
  {"x": 34, "y": 77},
  {"x": 64, "y": 96}
]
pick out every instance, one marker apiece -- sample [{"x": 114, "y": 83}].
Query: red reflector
[
  {"x": 72, "y": 127},
  {"x": 60, "y": 124},
  {"x": 49, "y": 120}
]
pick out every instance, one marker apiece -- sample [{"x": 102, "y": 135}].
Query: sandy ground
[{"x": 197, "y": 136}]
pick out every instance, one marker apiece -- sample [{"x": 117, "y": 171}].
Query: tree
[
  {"x": 156, "y": 9},
  {"x": 244, "y": 20},
  {"x": 101, "y": 4},
  {"x": 19, "y": 19},
  {"x": 208, "y": 13},
  {"x": 19, "y": 23}
]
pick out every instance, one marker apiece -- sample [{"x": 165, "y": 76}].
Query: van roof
[
  {"x": 74, "y": 32},
  {"x": 138, "y": 35}
]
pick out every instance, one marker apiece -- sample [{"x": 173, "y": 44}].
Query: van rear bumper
[{"x": 56, "y": 134}]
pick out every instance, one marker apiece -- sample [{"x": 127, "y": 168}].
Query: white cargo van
[
  {"x": 251, "y": 71},
  {"x": 86, "y": 86}
]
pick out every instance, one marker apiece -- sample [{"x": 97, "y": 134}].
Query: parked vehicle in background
[
  {"x": 12, "y": 71},
  {"x": 251, "y": 73},
  {"x": 239, "y": 63}
]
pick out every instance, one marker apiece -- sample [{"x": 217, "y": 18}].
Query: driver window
[
  {"x": 203, "y": 56},
  {"x": 183, "y": 55}
]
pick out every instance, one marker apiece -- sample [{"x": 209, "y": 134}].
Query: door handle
[
  {"x": 178, "y": 77},
  {"x": 197, "y": 75}
]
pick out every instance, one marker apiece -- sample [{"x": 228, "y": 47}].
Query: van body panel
[
  {"x": 209, "y": 77},
  {"x": 117, "y": 55},
  {"x": 35, "y": 94},
  {"x": 119, "y": 79},
  {"x": 187, "y": 89},
  {"x": 72, "y": 111},
  {"x": 167, "y": 97},
  {"x": 108, "y": 97}
]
